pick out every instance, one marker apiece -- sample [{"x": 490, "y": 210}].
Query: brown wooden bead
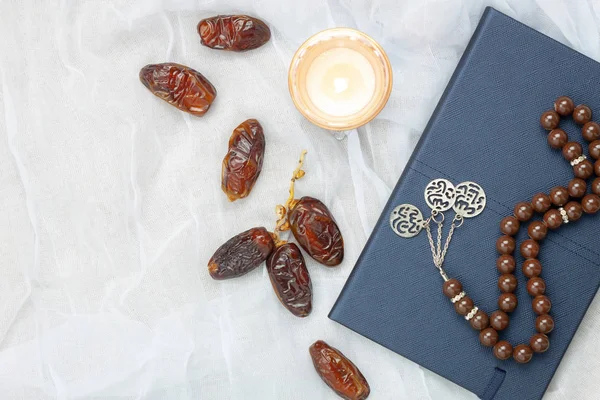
[
  {"x": 584, "y": 169},
  {"x": 510, "y": 225},
  {"x": 507, "y": 283},
  {"x": 537, "y": 230},
  {"x": 596, "y": 186},
  {"x": 549, "y": 120},
  {"x": 480, "y": 320},
  {"x": 594, "y": 149},
  {"x": 499, "y": 320},
  {"x": 541, "y": 202},
  {"x": 574, "y": 211},
  {"x": 597, "y": 167},
  {"x": 522, "y": 354},
  {"x": 523, "y": 211},
  {"x": 544, "y": 324},
  {"x": 507, "y": 302},
  {"x": 503, "y": 350},
  {"x": 572, "y": 150},
  {"x": 557, "y": 138},
  {"x": 506, "y": 264},
  {"x": 488, "y": 337},
  {"x": 452, "y": 287},
  {"x": 591, "y": 203},
  {"x": 559, "y": 195},
  {"x": 564, "y": 105},
  {"x": 536, "y": 286},
  {"x": 591, "y": 131},
  {"x": 532, "y": 268},
  {"x": 553, "y": 219},
  {"x": 541, "y": 305},
  {"x": 463, "y": 306},
  {"x": 530, "y": 248},
  {"x": 577, "y": 187},
  {"x": 582, "y": 114},
  {"x": 505, "y": 244},
  {"x": 539, "y": 343}
]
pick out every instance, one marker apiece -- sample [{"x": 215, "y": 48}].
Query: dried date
[
  {"x": 339, "y": 373},
  {"x": 241, "y": 254},
  {"x": 233, "y": 32},
  {"x": 179, "y": 86},
  {"x": 290, "y": 279},
  {"x": 317, "y": 232},
  {"x": 243, "y": 162}
]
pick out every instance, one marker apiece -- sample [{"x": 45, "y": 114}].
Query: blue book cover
[{"x": 485, "y": 129}]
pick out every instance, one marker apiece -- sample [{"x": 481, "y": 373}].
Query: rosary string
[
  {"x": 561, "y": 206},
  {"x": 438, "y": 253}
]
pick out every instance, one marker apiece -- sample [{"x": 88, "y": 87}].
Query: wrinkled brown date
[
  {"x": 179, "y": 86},
  {"x": 338, "y": 372},
  {"x": 290, "y": 279},
  {"x": 317, "y": 232},
  {"x": 241, "y": 254},
  {"x": 243, "y": 162},
  {"x": 233, "y": 32}
]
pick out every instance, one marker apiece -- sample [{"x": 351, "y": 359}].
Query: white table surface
[{"x": 111, "y": 202}]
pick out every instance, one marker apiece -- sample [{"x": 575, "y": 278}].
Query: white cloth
[{"x": 111, "y": 203}]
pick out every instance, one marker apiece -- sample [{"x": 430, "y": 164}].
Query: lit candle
[
  {"x": 340, "y": 79},
  {"x": 340, "y": 82}
]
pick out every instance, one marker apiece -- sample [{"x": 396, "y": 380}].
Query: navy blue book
[{"x": 485, "y": 129}]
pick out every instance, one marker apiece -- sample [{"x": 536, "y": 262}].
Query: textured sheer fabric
[{"x": 111, "y": 203}]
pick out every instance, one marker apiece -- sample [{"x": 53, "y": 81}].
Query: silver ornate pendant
[
  {"x": 406, "y": 220},
  {"x": 440, "y": 194},
  {"x": 470, "y": 199}
]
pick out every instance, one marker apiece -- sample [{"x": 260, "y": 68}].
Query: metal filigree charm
[
  {"x": 406, "y": 220},
  {"x": 470, "y": 200},
  {"x": 440, "y": 194}
]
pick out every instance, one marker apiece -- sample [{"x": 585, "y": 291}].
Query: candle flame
[{"x": 340, "y": 84}]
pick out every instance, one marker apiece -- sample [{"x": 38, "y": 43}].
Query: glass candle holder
[{"x": 340, "y": 79}]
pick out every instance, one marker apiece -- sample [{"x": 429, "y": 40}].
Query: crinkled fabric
[{"x": 111, "y": 203}]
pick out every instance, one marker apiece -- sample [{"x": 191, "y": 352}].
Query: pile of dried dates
[
  {"x": 309, "y": 220},
  {"x": 186, "y": 88},
  {"x": 315, "y": 230},
  {"x": 190, "y": 91}
]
